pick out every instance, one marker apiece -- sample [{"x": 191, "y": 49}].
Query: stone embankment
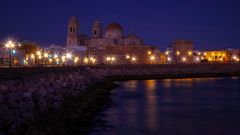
[
  {"x": 169, "y": 71},
  {"x": 25, "y": 99},
  {"x": 21, "y": 101}
]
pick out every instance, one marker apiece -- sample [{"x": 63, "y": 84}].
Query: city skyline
[{"x": 215, "y": 27}]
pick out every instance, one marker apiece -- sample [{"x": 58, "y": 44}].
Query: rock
[
  {"x": 13, "y": 104},
  {"x": 26, "y": 106},
  {"x": 38, "y": 94},
  {"x": 3, "y": 88},
  {"x": 27, "y": 96},
  {"x": 42, "y": 92},
  {"x": 1, "y": 98},
  {"x": 1, "y": 133},
  {"x": 64, "y": 85}
]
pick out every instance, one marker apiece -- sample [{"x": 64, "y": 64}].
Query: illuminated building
[
  {"x": 216, "y": 56},
  {"x": 107, "y": 41},
  {"x": 182, "y": 51}
]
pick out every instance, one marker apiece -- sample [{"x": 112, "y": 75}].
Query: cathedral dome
[
  {"x": 73, "y": 20},
  {"x": 114, "y": 26}
]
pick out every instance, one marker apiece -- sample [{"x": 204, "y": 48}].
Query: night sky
[{"x": 209, "y": 23}]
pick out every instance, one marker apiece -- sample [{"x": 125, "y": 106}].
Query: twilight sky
[{"x": 209, "y": 23}]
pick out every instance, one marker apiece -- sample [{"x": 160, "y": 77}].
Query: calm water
[{"x": 207, "y": 106}]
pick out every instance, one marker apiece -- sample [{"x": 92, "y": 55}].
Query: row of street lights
[
  {"x": 112, "y": 59},
  {"x": 46, "y": 57}
]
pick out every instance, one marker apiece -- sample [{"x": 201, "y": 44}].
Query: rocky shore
[
  {"x": 65, "y": 102},
  {"x": 24, "y": 100}
]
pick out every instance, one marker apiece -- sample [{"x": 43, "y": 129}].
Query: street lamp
[
  {"x": 189, "y": 53},
  {"x": 85, "y": 60},
  {"x": 32, "y": 57},
  {"x": 10, "y": 45},
  {"x": 93, "y": 60},
  {"x": 149, "y": 52},
  {"x": 45, "y": 58},
  {"x": 184, "y": 59},
  {"x": 113, "y": 59},
  {"x": 45, "y": 55},
  {"x": 57, "y": 61},
  {"x": 38, "y": 53},
  {"x": 127, "y": 59},
  {"x": 39, "y": 56},
  {"x": 133, "y": 59},
  {"x": 234, "y": 57},
  {"x": 63, "y": 59},
  {"x": 108, "y": 59},
  {"x": 50, "y": 61},
  {"x": 152, "y": 58},
  {"x": 178, "y": 53},
  {"x": 169, "y": 59},
  {"x": 197, "y": 59},
  {"x": 76, "y": 60},
  {"x": 55, "y": 56},
  {"x": 68, "y": 55}
]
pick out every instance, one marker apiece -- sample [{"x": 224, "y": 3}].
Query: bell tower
[
  {"x": 73, "y": 32},
  {"x": 97, "y": 30}
]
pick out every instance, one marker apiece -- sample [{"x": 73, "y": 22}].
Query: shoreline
[
  {"x": 157, "y": 77},
  {"x": 77, "y": 114}
]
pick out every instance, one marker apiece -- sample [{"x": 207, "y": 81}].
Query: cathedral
[{"x": 104, "y": 41}]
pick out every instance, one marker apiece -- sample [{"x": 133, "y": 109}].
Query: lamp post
[
  {"x": 39, "y": 57},
  {"x": 184, "y": 59},
  {"x": 127, "y": 58},
  {"x": 63, "y": 60},
  {"x": 33, "y": 59},
  {"x": 85, "y": 60},
  {"x": 45, "y": 59},
  {"x": 133, "y": 59},
  {"x": 76, "y": 60},
  {"x": 108, "y": 59},
  {"x": 68, "y": 56},
  {"x": 113, "y": 60},
  {"x": 10, "y": 45},
  {"x": 169, "y": 59},
  {"x": 152, "y": 58}
]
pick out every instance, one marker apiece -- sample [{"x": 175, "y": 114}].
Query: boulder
[
  {"x": 3, "y": 88},
  {"x": 1, "y": 98}
]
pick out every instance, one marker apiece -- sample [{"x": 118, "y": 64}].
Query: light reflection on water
[
  {"x": 151, "y": 103},
  {"x": 193, "y": 106}
]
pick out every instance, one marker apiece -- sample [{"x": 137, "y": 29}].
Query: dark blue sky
[{"x": 209, "y": 23}]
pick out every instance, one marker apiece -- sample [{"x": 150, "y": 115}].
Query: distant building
[
  {"x": 234, "y": 54},
  {"x": 224, "y": 55},
  {"x": 4, "y": 56},
  {"x": 216, "y": 56},
  {"x": 108, "y": 41},
  {"x": 197, "y": 56},
  {"x": 182, "y": 51},
  {"x": 169, "y": 55}
]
